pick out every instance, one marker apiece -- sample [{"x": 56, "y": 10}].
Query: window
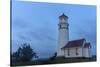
[
  {"x": 68, "y": 52},
  {"x": 59, "y": 26},
  {"x": 76, "y": 51}
]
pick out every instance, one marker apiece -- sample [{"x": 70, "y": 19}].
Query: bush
[
  {"x": 23, "y": 54},
  {"x": 54, "y": 56}
]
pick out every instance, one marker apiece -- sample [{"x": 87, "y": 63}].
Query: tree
[
  {"x": 16, "y": 55},
  {"x": 54, "y": 56},
  {"x": 24, "y": 53}
]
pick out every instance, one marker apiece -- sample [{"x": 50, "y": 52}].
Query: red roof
[
  {"x": 87, "y": 45},
  {"x": 75, "y": 43}
]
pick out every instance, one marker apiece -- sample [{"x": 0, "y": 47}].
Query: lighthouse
[{"x": 63, "y": 34}]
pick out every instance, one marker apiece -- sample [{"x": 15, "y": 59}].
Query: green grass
[{"x": 57, "y": 60}]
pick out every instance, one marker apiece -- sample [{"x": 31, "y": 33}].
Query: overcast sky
[{"x": 37, "y": 23}]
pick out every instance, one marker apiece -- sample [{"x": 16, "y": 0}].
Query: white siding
[
  {"x": 72, "y": 52},
  {"x": 87, "y": 52},
  {"x": 82, "y": 52},
  {"x": 60, "y": 52}
]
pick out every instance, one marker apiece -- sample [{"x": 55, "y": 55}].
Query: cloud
[{"x": 37, "y": 37}]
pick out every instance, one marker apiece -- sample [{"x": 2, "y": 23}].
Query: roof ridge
[{"x": 78, "y": 39}]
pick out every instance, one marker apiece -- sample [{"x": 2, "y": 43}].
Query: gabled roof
[
  {"x": 74, "y": 43},
  {"x": 87, "y": 45}
]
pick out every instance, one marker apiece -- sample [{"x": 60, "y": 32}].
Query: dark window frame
[
  {"x": 68, "y": 52},
  {"x": 77, "y": 51}
]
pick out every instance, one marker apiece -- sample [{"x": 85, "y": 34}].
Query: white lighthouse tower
[{"x": 63, "y": 35}]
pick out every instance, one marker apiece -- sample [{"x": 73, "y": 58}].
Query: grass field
[{"x": 57, "y": 60}]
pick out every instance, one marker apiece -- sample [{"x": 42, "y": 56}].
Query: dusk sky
[{"x": 36, "y": 23}]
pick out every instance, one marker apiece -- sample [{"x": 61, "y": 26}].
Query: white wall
[
  {"x": 60, "y": 52},
  {"x": 63, "y": 37},
  {"x": 87, "y": 52},
  {"x": 62, "y": 40},
  {"x": 73, "y": 52}
]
